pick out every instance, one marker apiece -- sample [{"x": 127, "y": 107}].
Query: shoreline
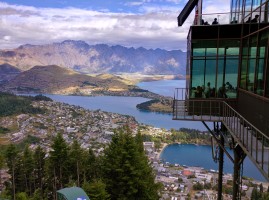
[{"x": 161, "y": 150}]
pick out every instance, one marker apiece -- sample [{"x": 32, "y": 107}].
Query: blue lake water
[
  {"x": 181, "y": 154},
  {"x": 201, "y": 155},
  {"x": 163, "y": 87},
  {"x": 127, "y": 105}
]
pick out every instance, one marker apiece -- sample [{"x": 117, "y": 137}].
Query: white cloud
[
  {"x": 7, "y": 37},
  {"x": 154, "y": 27}
]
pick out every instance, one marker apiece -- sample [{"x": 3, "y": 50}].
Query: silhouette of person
[
  {"x": 222, "y": 92},
  {"x": 206, "y": 23},
  {"x": 255, "y": 20},
  {"x": 215, "y": 21},
  {"x": 207, "y": 90},
  {"x": 249, "y": 20},
  {"x": 234, "y": 21}
]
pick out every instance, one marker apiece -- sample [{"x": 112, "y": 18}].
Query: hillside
[
  {"x": 58, "y": 80},
  {"x": 8, "y": 72},
  {"x": 101, "y": 58}
]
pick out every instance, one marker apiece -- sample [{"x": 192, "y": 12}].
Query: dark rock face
[{"x": 101, "y": 58}]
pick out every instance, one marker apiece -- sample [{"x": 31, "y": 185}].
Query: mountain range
[{"x": 100, "y": 58}]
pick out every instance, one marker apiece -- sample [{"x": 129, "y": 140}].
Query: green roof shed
[{"x": 72, "y": 193}]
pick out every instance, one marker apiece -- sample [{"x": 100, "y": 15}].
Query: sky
[{"x": 131, "y": 23}]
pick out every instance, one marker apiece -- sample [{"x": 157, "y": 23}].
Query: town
[{"x": 94, "y": 129}]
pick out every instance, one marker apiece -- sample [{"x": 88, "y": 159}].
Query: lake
[
  {"x": 127, "y": 105},
  {"x": 184, "y": 154},
  {"x": 173, "y": 154}
]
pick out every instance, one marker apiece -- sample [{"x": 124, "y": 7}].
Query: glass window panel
[
  {"x": 197, "y": 79},
  {"x": 262, "y": 52},
  {"x": 232, "y": 51},
  {"x": 230, "y": 47},
  {"x": 262, "y": 17},
  {"x": 243, "y": 76},
  {"x": 220, "y": 75},
  {"x": 198, "y": 52},
  {"x": 250, "y": 75},
  {"x": 253, "y": 52},
  {"x": 221, "y": 51},
  {"x": 247, "y": 7},
  {"x": 260, "y": 77},
  {"x": 245, "y": 47},
  {"x": 231, "y": 74},
  {"x": 211, "y": 51},
  {"x": 210, "y": 77},
  {"x": 255, "y": 4}
]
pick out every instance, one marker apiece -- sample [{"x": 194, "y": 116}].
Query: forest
[
  {"x": 13, "y": 104},
  {"x": 114, "y": 174}
]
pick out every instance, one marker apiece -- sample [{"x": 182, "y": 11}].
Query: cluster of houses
[
  {"x": 179, "y": 181},
  {"x": 88, "y": 127},
  {"x": 95, "y": 128}
]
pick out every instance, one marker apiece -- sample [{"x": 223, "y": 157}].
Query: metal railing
[
  {"x": 254, "y": 142},
  {"x": 251, "y": 139}
]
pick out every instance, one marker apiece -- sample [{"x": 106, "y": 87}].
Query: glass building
[{"x": 227, "y": 80}]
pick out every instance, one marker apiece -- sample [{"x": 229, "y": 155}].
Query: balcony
[{"x": 254, "y": 143}]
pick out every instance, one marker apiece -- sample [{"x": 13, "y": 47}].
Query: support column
[
  {"x": 221, "y": 155},
  {"x": 239, "y": 157}
]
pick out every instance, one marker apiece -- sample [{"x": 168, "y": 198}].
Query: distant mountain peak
[{"x": 101, "y": 58}]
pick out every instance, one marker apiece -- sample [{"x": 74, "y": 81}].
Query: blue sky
[{"x": 131, "y": 23}]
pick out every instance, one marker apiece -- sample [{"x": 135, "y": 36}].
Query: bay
[
  {"x": 126, "y": 106},
  {"x": 201, "y": 155},
  {"x": 163, "y": 87}
]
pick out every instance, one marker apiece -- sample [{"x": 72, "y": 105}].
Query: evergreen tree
[
  {"x": 58, "y": 164},
  {"x": 255, "y": 194},
  {"x": 96, "y": 190},
  {"x": 76, "y": 158},
  {"x": 21, "y": 196},
  {"x": 261, "y": 188},
  {"x": 11, "y": 155},
  {"x": 28, "y": 170},
  {"x": 2, "y": 164},
  {"x": 39, "y": 173},
  {"x": 93, "y": 166},
  {"x": 127, "y": 173}
]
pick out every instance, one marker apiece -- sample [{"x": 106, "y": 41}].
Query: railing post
[{"x": 262, "y": 151}]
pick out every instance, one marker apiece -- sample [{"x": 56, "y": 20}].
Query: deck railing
[{"x": 251, "y": 139}]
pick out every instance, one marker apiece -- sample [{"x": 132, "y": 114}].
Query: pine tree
[
  {"x": 39, "y": 173},
  {"x": 96, "y": 190},
  {"x": 11, "y": 155},
  {"x": 93, "y": 166},
  {"x": 28, "y": 170},
  {"x": 76, "y": 159},
  {"x": 255, "y": 194},
  {"x": 58, "y": 164},
  {"x": 127, "y": 173},
  {"x": 2, "y": 164}
]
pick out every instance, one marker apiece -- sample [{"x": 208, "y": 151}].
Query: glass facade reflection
[
  {"x": 245, "y": 10},
  {"x": 214, "y": 68},
  {"x": 221, "y": 62},
  {"x": 254, "y": 62}
]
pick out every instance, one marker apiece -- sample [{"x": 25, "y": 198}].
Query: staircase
[{"x": 254, "y": 143}]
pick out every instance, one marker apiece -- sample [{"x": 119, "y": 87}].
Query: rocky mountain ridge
[{"x": 101, "y": 58}]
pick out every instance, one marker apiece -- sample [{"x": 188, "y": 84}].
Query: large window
[
  {"x": 254, "y": 58},
  {"x": 214, "y": 68}
]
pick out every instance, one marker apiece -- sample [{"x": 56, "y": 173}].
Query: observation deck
[{"x": 253, "y": 142}]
